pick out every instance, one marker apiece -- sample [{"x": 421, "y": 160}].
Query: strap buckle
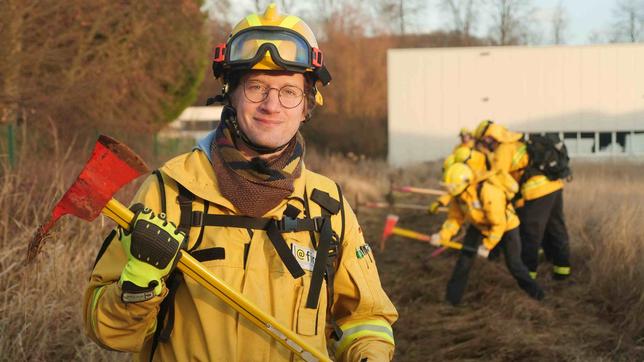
[
  {"x": 317, "y": 223},
  {"x": 197, "y": 218},
  {"x": 333, "y": 249},
  {"x": 287, "y": 224}
]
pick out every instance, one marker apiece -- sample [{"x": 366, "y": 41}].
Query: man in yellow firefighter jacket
[
  {"x": 484, "y": 204},
  {"x": 281, "y": 235},
  {"x": 540, "y": 207}
]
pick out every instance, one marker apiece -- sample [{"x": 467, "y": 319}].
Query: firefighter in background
[
  {"x": 539, "y": 204},
  {"x": 253, "y": 214},
  {"x": 443, "y": 200},
  {"x": 464, "y": 153},
  {"x": 485, "y": 205},
  {"x": 467, "y": 139}
]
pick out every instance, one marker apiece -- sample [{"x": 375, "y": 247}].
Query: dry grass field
[{"x": 597, "y": 315}]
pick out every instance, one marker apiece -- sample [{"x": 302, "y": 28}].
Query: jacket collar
[{"x": 194, "y": 171}]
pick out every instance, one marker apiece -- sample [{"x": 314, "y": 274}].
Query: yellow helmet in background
[
  {"x": 457, "y": 178},
  {"x": 472, "y": 158},
  {"x": 271, "y": 41},
  {"x": 481, "y": 129},
  {"x": 449, "y": 160},
  {"x": 462, "y": 154},
  {"x": 496, "y": 131}
]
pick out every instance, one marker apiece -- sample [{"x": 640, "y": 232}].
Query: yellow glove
[{"x": 151, "y": 248}]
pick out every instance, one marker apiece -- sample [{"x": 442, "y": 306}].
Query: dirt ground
[{"x": 496, "y": 321}]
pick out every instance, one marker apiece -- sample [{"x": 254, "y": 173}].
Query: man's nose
[{"x": 272, "y": 101}]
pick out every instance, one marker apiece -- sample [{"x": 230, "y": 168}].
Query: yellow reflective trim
[
  {"x": 518, "y": 155},
  {"x": 451, "y": 225},
  {"x": 353, "y": 331},
  {"x": 376, "y": 322},
  {"x": 289, "y": 21},
  {"x": 535, "y": 182},
  {"x": 561, "y": 270},
  {"x": 494, "y": 237},
  {"x": 253, "y": 20},
  {"x": 98, "y": 292},
  {"x": 533, "y": 275}
]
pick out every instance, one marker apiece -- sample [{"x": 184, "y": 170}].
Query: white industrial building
[
  {"x": 593, "y": 96},
  {"x": 193, "y": 122}
]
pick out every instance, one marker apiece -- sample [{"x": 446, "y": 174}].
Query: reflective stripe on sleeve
[
  {"x": 534, "y": 182},
  {"x": 518, "y": 156},
  {"x": 353, "y": 331},
  {"x": 451, "y": 226},
  {"x": 495, "y": 238},
  {"x": 533, "y": 275},
  {"x": 98, "y": 292}
]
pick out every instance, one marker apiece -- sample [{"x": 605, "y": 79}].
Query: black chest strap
[
  {"x": 327, "y": 253},
  {"x": 324, "y": 266}
]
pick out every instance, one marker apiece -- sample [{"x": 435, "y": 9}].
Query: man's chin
[{"x": 265, "y": 143}]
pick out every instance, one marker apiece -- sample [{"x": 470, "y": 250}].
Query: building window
[
  {"x": 571, "y": 139},
  {"x": 600, "y": 143},
  {"x": 586, "y": 143},
  {"x": 635, "y": 140}
]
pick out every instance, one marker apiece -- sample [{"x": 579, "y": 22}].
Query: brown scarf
[{"x": 254, "y": 186}]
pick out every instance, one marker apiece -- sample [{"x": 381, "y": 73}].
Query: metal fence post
[{"x": 11, "y": 146}]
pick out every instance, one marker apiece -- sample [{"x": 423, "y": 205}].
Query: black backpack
[{"x": 548, "y": 156}]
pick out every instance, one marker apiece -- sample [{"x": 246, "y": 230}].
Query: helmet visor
[{"x": 288, "y": 48}]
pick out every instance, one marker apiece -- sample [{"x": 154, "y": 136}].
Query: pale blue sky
[{"x": 584, "y": 17}]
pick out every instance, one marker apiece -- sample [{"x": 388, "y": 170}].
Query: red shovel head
[{"x": 111, "y": 166}]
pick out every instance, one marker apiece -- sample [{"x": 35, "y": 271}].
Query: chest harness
[{"x": 327, "y": 248}]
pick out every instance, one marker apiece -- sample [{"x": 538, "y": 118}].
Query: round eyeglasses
[{"x": 289, "y": 96}]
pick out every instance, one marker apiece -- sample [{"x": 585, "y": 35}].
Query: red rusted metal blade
[{"x": 111, "y": 166}]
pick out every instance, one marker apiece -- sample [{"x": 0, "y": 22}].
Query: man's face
[
  {"x": 466, "y": 137},
  {"x": 267, "y": 123}
]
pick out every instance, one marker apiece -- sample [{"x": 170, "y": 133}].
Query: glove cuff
[{"x": 131, "y": 293}]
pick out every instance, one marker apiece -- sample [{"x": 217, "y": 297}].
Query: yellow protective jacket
[
  {"x": 484, "y": 205},
  {"x": 206, "y": 329},
  {"x": 476, "y": 160},
  {"x": 512, "y": 157}
]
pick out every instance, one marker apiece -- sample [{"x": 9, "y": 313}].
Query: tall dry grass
[
  {"x": 605, "y": 216},
  {"x": 40, "y": 304}
]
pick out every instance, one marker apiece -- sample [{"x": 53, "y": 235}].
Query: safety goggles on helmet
[{"x": 287, "y": 49}]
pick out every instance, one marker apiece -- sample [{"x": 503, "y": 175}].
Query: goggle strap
[
  {"x": 219, "y": 53},
  {"x": 323, "y": 75},
  {"x": 217, "y": 69},
  {"x": 317, "y": 58}
]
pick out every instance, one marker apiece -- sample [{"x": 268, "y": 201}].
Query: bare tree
[
  {"x": 510, "y": 21},
  {"x": 287, "y": 6},
  {"x": 629, "y": 21},
  {"x": 559, "y": 23},
  {"x": 398, "y": 13},
  {"x": 463, "y": 16}
]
